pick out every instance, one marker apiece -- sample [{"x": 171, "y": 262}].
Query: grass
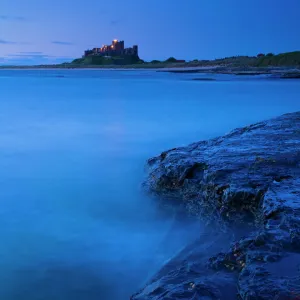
[
  {"x": 106, "y": 61},
  {"x": 283, "y": 59}
]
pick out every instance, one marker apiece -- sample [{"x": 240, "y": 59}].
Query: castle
[{"x": 115, "y": 49}]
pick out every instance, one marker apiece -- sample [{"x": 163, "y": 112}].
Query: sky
[{"x": 50, "y": 31}]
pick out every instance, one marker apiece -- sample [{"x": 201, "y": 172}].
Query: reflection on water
[{"x": 73, "y": 220}]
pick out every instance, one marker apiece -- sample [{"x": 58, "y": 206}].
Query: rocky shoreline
[
  {"x": 271, "y": 72},
  {"x": 291, "y": 72},
  {"x": 249, "y": 176}
]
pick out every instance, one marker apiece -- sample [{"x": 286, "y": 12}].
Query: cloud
[
  {"x": 4, "y": 42},
  {"x": 30, "y": 53},
  {"x": 32, "y": 58},
  {"x": 62, "y": 43},
  {"x": 12, "y": 18}
]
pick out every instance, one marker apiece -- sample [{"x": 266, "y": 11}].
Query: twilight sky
[{"x": 47, "y": 31}]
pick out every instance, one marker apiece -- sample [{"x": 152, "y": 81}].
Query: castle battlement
[{"x": 115, "y": 49}]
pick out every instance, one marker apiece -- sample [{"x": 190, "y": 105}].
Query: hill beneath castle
[
  {"x": 288, "y": 59},
  {"x": 108, "y": 60}
]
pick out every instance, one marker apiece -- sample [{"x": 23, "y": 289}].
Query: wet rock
[
  {"x": 251, "y": 73},
  {"x": 249, "y": 175},
  {"x": 291, "y": 75},
  {"x": 204, "y": 79},
  {"x": 188, "y": 277}
]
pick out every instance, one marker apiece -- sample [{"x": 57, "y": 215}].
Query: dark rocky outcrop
[
  {"x": 204, "y": 79},
  {"x": 251, "y": 73},
  {"x": 291, "y": 75},
  {"x": 251, "y": 175}
]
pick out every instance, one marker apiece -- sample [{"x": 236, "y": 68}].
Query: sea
[{"x": 75, "y": 222}]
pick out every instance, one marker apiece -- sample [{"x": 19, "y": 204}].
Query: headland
[{"x": 116, "y": 56}]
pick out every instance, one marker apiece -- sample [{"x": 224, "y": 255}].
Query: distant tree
[
  {"x": 270, "y": 54},
  {"x": 260, "y": 55},
  {"x": 155, "y": 61},
  {"x": 171, "y": 60}
]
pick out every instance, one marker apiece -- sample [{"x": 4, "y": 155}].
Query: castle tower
[
  {"x": 117, "y": 47},
  {"x": 135, "y": 50}
]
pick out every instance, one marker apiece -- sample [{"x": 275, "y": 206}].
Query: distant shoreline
[
  {"x": 284, "y": 65},
  {"x": 147, "y": 66},
  {"x": 275, "y": 72},
  {"x": 168, "y": 67},
  {"x": 260, "y": 63}
]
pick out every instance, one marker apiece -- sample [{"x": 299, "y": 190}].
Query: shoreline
[
  {"x": 272, "y": 72},
  {"x": 282, "y": 61},
  {"x": 112, "y": 67}
]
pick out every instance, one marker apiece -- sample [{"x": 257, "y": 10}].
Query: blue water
[{"x": 74, "y": 223}]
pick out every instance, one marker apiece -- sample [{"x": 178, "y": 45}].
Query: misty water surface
[{"x": 74, "y": 223}]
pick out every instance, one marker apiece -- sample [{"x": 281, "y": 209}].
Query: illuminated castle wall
[{"x": 115, "y": 49}]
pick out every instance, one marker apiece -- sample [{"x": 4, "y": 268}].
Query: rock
[
  {"x": 204, "y": 79},
  {"x": 185, "y": 71},
  {"x": 188, "y": 276},
  {"x": 291, "y": 75},
  {"x": 249, "y": 175},
  {"x": 251, "y": 73}
]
